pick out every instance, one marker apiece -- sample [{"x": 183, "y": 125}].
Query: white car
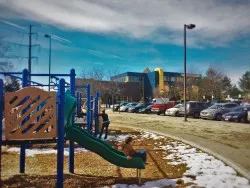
[{"x": 173, "y": 111}]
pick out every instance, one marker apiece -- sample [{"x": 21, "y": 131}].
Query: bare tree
[
  {"x": 94, "y": 77},
  {"x": 212, "y": 83}
]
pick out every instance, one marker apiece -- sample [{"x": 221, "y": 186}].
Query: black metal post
[
  {"x": 185, "y": 75},
  {"x": 30, "y": 42},
  {"x": 49, "y": 60}
]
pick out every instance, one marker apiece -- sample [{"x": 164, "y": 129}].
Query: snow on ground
[
  {"x": 33, "y": 152},
  {"x": 209, "y": 172},
  {"x": 118, "y": 138}
]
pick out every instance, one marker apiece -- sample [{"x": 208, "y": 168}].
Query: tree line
[{"x": 213, "y": 85}]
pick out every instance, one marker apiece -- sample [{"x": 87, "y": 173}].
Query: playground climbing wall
[{"x": 30, "y": 113}]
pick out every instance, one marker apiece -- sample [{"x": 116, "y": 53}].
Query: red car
[{"x": 161, "y": 108}]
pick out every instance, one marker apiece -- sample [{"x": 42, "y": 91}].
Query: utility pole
[
  {"x": 30, "y": 48},
  {"x": 30, "y": 42}
]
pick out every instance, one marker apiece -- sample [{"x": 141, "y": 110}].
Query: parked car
[
  {"x": 239, "y": 114},
  {"x": 193, "y": 108},
  {"x": 136, "y": 108},
  {"x": 127, "y": 106},
  {"x": 248, "y": 116},
  {"x": 173, "y": 111},
  {"x": 146, "y": 110},
  {"x": 161, "y": 108},
  {"x": 217, "y": 110},
  {"x": 117, "y": 106}
]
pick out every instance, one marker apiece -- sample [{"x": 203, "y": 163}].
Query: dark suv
[{"x": 194, "y": 108}]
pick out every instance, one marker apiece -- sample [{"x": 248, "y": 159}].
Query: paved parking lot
[{"x": 229, "y": 140}]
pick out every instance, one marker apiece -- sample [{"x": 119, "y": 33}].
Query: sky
[{"x": 129, "y": 35}]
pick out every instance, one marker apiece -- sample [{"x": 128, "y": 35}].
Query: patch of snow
[
  {"x": 156, "y": 184},
  {"x": 149, "y": 135},
  {"x": 35, "y": 151},
  {"x": 117, "y": 138},
  {"x": 209, "y": 172}
]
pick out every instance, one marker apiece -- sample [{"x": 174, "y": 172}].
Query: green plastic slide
[{"x": 93, "y": 144}]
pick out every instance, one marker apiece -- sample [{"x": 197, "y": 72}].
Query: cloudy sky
[{"x": 131, "y": 35}]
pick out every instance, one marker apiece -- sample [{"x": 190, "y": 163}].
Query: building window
[
  {"x": 133, "y": 79},
  {"x": 166, "y": 78},
  {"x": 173, "y": 79}
]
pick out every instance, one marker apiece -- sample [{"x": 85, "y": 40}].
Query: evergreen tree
[
  {"x": 244, "y": 82},
  {"x": 12, "y": 84}
]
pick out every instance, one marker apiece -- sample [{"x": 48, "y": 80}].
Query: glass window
[
  {"x": 200, "y": 105},
  {"x": 166, "y": 78},
  {"x": 173, "y": 79}
]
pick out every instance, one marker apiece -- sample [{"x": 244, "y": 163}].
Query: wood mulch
[{"x": 90, "y": 169}]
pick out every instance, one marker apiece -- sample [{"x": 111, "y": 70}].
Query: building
[
  {"x": 111, "y": 92},
  {"x": 149, "y": 81}
]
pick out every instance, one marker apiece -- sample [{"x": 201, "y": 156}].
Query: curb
[{"x": 230, "y": 163}]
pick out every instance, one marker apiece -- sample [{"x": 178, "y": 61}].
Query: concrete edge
[{"x": 230, "y": 163}]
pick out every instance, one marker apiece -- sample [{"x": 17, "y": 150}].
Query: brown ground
[
  {"x": 90, "y": 169},
  {"x": 230, "y": 140}
]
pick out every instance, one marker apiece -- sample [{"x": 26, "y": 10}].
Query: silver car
[{"x": 217, "y": 110}]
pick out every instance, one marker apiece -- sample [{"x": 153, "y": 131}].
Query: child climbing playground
[
  {"x": 105, "y": 124},
  {"x": 128, "y": 150}
]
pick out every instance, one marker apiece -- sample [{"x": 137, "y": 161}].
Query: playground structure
[{"x": 32, "y": 115}]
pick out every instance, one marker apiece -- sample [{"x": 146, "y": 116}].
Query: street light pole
[
  {"x": 190, "y": 26},
  {"x": 49, "y": 37}
]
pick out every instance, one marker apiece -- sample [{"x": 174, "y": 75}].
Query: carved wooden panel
[{"x": 30, "y": 113}]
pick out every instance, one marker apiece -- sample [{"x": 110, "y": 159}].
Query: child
[
  {"x": 130, "y": 152},
  {"x": 105, "y": 124}
]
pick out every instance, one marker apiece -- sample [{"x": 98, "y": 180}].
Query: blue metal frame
[
  {"x": 78, "y": 107},
  {"x": 60, "y": 116},
  {"x": 91, "y": 113},
  {"x": 71, "y": 143},
  {"x": 60, "y": 132},
  {"x": 88, "y": 108},
  {"x": 23, "y": 146},
  {"x": 1, "y": 121},
  {"x": 96, "y": 113},
  {"x": 80, "y": 102}
]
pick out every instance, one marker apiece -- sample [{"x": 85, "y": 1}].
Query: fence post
[{"x": 60, "y": 132}]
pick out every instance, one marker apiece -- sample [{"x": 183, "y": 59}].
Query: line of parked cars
[{"x": 227, "y": 111}]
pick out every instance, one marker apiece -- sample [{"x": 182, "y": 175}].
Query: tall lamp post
[
  {"x": 189, "y": 26},
  {"x": 49, "y": 37}
]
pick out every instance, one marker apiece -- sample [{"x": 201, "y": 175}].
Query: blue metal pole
[
  {"x": 71, "y": 143},
  {"x": 96, "y": 113},
  {"x": 88, "y": 107},
  {"x": 60, "y": 132},
  {"x": 80, "y": 102},
  {"x": 23, "y": 146},
  {"x": 91, "y": 113},
  {"x": 77, "y": 103},
  {"x": 51, "y": 75},
  {"x": 9, "y": 73},
  {"x": 1, "y": 124}
]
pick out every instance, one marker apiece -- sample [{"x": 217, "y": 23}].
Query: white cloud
[{"x": 218, "y": 22}]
